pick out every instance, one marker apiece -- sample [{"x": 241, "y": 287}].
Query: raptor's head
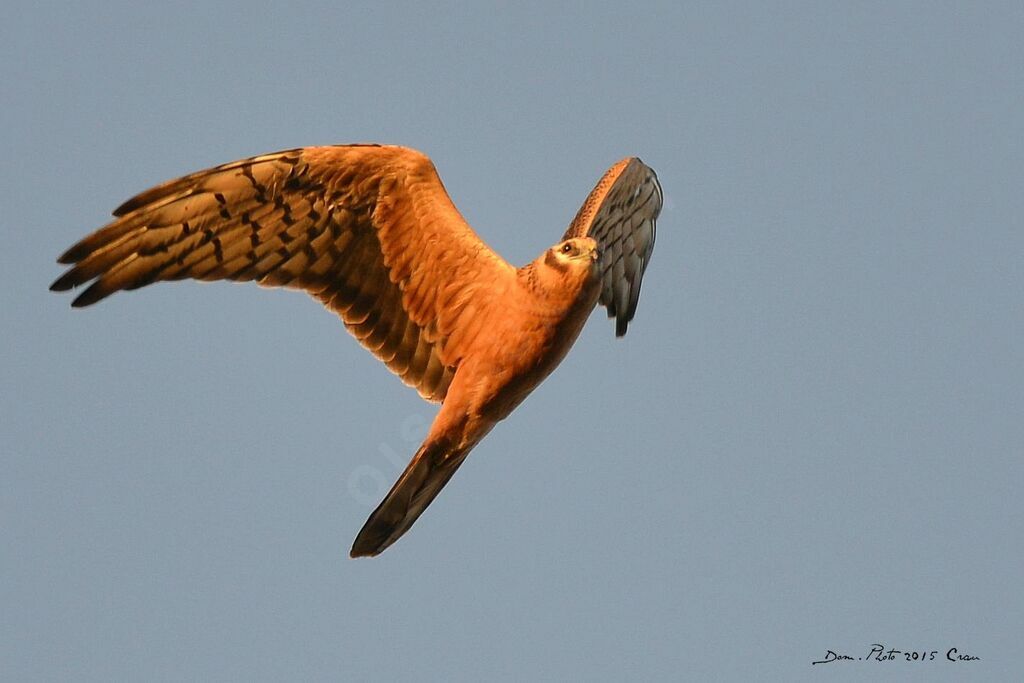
[
  {"x": 575, "y": 256},
  {"x": 566, "y": 271}
]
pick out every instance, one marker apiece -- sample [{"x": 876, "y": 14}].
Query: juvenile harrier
[{"x": 370, "y": 231}]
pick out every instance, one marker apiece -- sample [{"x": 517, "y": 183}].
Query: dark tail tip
[{"x": 369, "y": 541}]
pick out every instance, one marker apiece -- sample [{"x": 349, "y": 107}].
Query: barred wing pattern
[
  {"x": 368, "y": 230},
  {"x": 620, "y": 214}
]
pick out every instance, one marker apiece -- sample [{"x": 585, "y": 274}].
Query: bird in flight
[{"x": 370, "y": 231}]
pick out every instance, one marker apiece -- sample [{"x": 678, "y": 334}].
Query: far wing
[
  {"x": 620, "y": 214},
  {"x": 368, "y": 230}
]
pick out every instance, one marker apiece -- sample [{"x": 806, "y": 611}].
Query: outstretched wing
[
  {"x": 368, "y": 230},
  {"x": 620, "y": 214}
]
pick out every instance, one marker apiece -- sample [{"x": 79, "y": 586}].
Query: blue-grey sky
[{"x": 810, "y": 439}]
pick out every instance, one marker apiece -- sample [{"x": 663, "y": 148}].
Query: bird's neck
[{"x": 557, "y": 291}]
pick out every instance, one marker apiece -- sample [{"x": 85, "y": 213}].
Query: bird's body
[
  {"x": 494, "y": 378},
  {"x": 370, "y": 231}
]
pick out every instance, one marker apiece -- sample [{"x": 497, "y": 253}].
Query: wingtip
[
  {"x": 67, "y": 281},
  {"x": 84, "y": 299},
  {"x": 89, "y": 297}
]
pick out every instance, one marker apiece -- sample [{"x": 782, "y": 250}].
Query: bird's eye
[{"x": 566, "y": 248}]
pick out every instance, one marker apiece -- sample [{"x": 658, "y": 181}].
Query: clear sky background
[{"x": 810, "y": 439}]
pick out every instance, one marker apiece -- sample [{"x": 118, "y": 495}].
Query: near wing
[
  {"x": 620, "y": 214},
  {"x": 368, "y": 230}
]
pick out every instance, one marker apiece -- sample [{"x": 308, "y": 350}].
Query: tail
[{"x": 424, "y": 477}]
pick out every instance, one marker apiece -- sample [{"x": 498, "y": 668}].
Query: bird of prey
[{"x": 370, "y": 231}]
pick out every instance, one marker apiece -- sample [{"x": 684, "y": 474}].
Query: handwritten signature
[{"x": 878, "y": 653}]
